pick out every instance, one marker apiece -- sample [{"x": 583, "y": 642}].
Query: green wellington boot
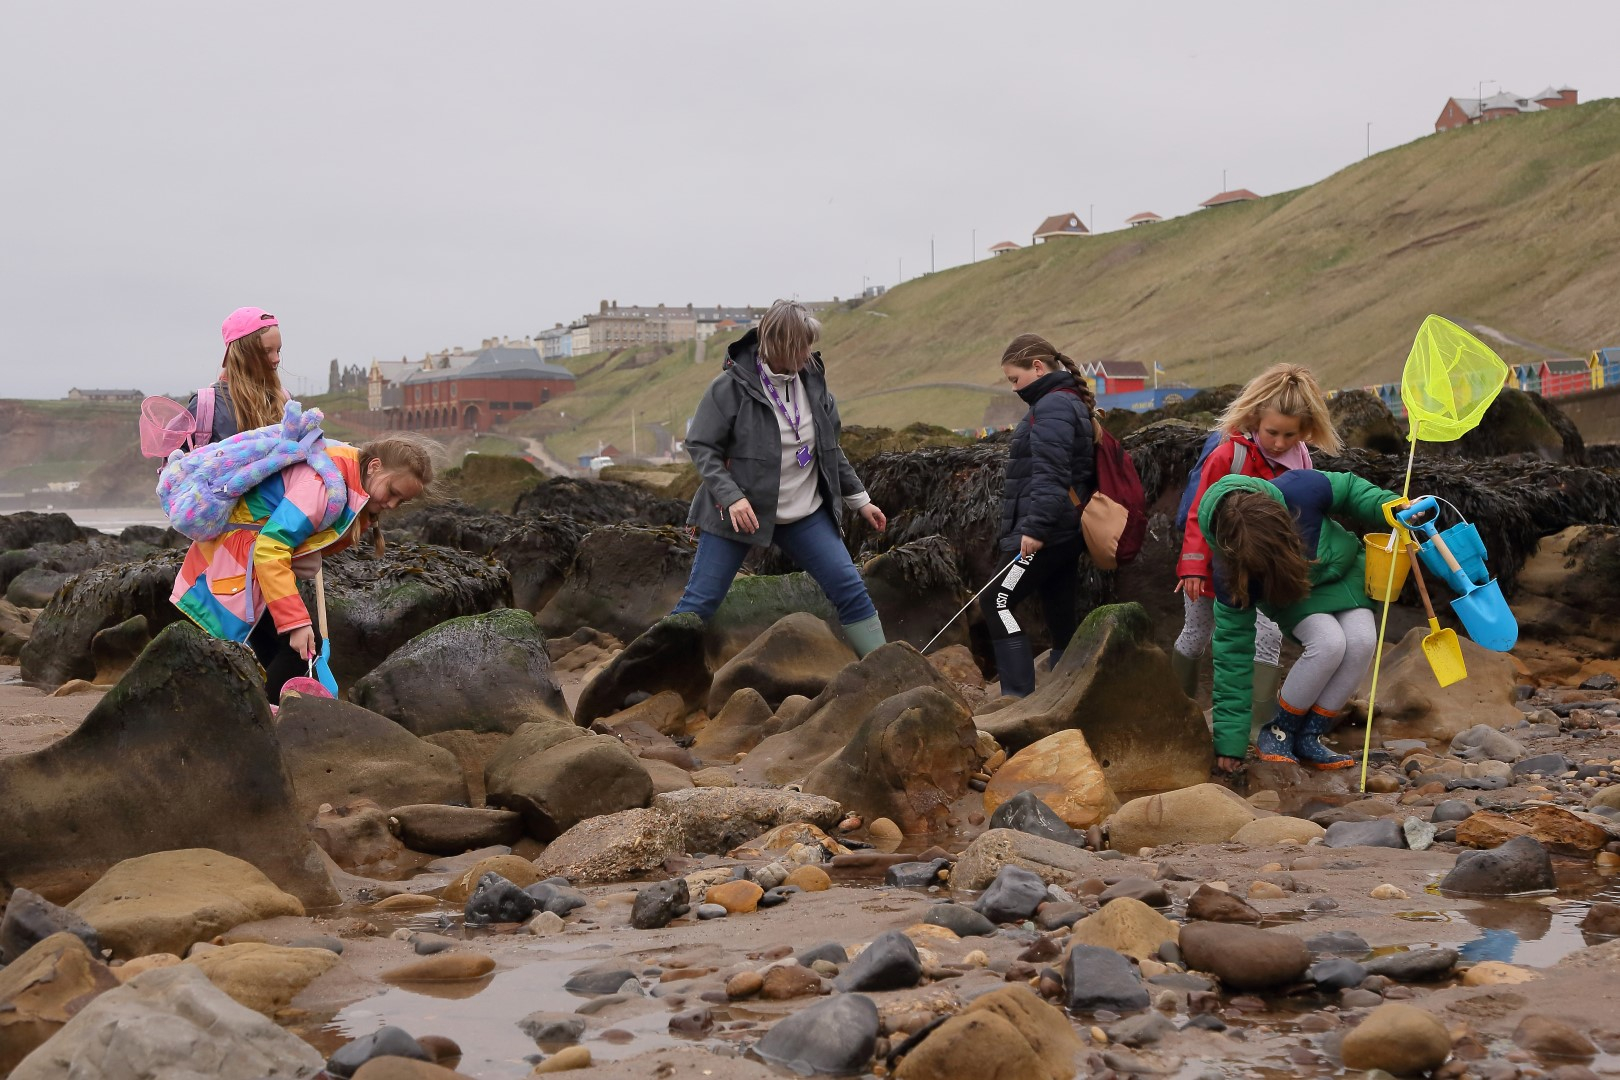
[{"x": 1186, "y": 672}]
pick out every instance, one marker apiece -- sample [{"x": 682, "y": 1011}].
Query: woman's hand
[
  {"x": 873, "y": 516},
  {"x": 1028, "y": 545},
  {"x": 743, "y": 518},
  {"x": 302, "y": 641},
  {"x": 1193, "y": 587}
]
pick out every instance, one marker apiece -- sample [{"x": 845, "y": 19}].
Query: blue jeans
[{"x": 812, "y": 542}]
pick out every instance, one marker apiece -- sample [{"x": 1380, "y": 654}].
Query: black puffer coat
[{"x": 1052, "y": 451}]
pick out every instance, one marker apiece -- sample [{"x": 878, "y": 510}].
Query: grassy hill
[{"x": 1514, "y": 225}]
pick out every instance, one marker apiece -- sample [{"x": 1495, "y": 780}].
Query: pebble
[
  {"x": 744, "y": 984},
  {"x": 1100, "y": 978},
  {"x": 884, "y": 829},
  {"x": 1013, "y": 896},
  {"x": 709, "y": 911},
  {"x": 405, "y": 902},
  {"x": 810, "y": 879},
  {"x": 443, "y": 967},
  {"x": 961, "y": 919},
  {"x": 384, "y": 1042},
  {"x": 428, "y": 944},
  {"x": 1387, "y": 891},
  {"x": 1400, "y": 1039},
  {"x": 825, "y": 968},
  {"x": 552, "y": 1029},
  {"x": 737, "y": 897},
  {"x": 977, "y": 958},
  {"x": 889, "y": 963},
  {"x": 787, "y": 981},
  {"x": 1414, "y": 965},
  {"x": 830, "y": 951},
  {"x": 1265, "y": 890},
  {"x": 572, "y": 1057},
  {"x": 1244, "y": 957},
  {"x": 836, "y": 1036},
  {"x": 1496, "y": 973},
  {"x": 545, "y": 924},
  {"x": 1550, "y": 1038}
]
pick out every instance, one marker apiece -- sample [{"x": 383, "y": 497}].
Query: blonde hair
[
  {"x": 407, "y": 452},
  {"x": 255, "y": 387},
  {"x": 787, "y": 332},
  {"x": 1291, "y": 390}
]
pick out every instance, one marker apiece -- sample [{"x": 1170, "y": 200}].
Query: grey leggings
[
  {"x": 1199, "y": 626},
  {"x": 1338, "y": 651}
]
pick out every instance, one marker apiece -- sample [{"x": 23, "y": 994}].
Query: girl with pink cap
[{"x": 248, "y": 393}]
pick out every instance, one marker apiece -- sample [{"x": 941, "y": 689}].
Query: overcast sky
[{"x": 391, "y": 178}]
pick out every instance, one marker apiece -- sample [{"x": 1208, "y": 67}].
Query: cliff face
[{"x": 67, "y": 441}]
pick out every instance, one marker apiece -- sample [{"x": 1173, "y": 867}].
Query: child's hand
[
  {"x": 1028, "y": 545},
  {"x": 302, "y": 642},
  {"x": 1193, "y": 587},
  {"x": 1228, "y": 765}
]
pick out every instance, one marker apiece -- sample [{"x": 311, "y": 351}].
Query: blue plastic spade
[{"x": 1480, "y": 606}]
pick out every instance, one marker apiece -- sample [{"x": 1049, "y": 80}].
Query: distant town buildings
[
  {"x": 77, "y": 394},
  {"x": 1146, "y": 217},
  {"x": 467, "y": 392},
  {"x": 1003, "y": 247},
  {"x": 1226, "y": 198},
  {"x": 1116, "y": 376},
  {"x": 556, "y": 343},
  {"x": 1460, "y": 112},
  {"x": 1060, "y": 225}
]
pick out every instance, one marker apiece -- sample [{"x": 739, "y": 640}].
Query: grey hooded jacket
[{"x": 737, "y": 446}]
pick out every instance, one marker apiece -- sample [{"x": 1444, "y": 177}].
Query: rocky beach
[{"x": 549, "y": 829}]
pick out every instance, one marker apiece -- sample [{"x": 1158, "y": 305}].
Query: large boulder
[
  {"x": 916, "y": 588},
  {"x": 1116, "y": 686},
  {"x": 669, "y": 656},
  {"x": 1569, "y": 590},
  {"x": 910, "y": 761},
  {"x": 1201, "y": 814},
  {"x": 612, "y": 847},
  {"x": 1063, "y": 773},
  {"x": 600, "y": 502},
  {"x": 623, "y": 579},
  {"x": 58, "y": 647},
  {"x": 170, "y": 900},
  {"x": 1520, "y": 422},
  {"x": 1364, "y": 422},
  {"x": 375, "y": 605},
  {"x": 715, "y": 820},
  {"x": 798, "y": 654},
  {"x": 172, "y": 1023},
  {"x": 828, "y": 724},
  {"x": 25, "y": 528},
  {"x": 736, "y": 729},
  {"x": 337, "y": 752},
  {"x": 487, "y": 672},
  {"x": 42, "y": 990},
  {"x": 537, "y": 552},
  {"x": 557, "y": 775},
  {"x": 182, "y": 753},
  {"x": 1412, "y": 705}
]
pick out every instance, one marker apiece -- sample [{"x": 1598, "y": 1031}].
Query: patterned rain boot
[
  {"x": 1311, "y": 750},
  {"x": 1276, "y": 739}
]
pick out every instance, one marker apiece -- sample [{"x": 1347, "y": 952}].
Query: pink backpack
[{"x": 167, "y": 426}]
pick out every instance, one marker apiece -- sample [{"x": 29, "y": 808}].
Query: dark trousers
[
  {"x": 1051, "y": 574},
  {"x": 277, "y": 658}
]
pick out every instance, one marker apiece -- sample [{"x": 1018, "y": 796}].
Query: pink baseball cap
[{"x": 244, "y": 321}]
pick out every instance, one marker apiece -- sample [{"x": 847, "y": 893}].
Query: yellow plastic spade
[{"x": 1440, "y": 648}]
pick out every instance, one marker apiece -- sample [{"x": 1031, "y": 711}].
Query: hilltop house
[
  {"x": 1146, "y": 217},
  {"x": 1003, "y": 247},
  {"x": 1060, "y": 225},
  {"x": 556, "y": 343},
  {"x": 1460, "y": 112},
  {"x": 1226, "y": 198},
  {"x": 76, "y": 394}
]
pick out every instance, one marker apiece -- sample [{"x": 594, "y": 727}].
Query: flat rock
[
  {"x": 1555, "y": 828},
  {"x": 1413, "y": 965},
  {"x": 165, "y": 902},
  {"x": 170, "y": 1022},
  {"x": 450, "y": 830},
  {"x": 1244, "y": 957},
  {"x": 612, "y": 847},
  {"x": 42, "y": 989},
  {"x": 1383, "y": 832},
  {"x": 1271, "y": 831},
  {"x": 1025, "y": 812},
  {"x": 718, "y": 819},
  {"x": 442, "y": 967},
  {"x": 1200, "y": 814},
  {"x": 262, "y": 977},
  {"x": 1054, "y": 861},
  {"x": 1213, "y": 905}
]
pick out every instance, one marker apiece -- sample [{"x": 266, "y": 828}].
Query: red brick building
[
  {"x": 501, "y": 383},
  {"x": 1116, "y": 376},
  {"x": 1460, "y": 112}
]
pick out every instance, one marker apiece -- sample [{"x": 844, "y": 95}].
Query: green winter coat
[{"x": 1337, "y": 577}]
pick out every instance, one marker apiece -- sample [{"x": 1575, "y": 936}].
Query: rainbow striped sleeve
[{"x": 294, "y": 520}]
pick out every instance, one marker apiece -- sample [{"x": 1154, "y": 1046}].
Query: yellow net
[{"x": 1450, "y": 379}]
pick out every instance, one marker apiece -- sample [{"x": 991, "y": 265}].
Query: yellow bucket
[{"x": 1379, "y": 553}]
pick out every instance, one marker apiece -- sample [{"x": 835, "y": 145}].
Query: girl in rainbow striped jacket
[{"x": 243, "y": 584}]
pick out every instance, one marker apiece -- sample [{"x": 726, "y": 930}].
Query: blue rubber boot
[
  {"x": 1276, "y": 739},
  {"x": 1311, "y": 750}
]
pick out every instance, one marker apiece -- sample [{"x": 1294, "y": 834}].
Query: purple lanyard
[{"x": 792, "y": 418}]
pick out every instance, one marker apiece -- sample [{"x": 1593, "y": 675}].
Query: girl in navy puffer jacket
[{"x": 1051, "y": 472}]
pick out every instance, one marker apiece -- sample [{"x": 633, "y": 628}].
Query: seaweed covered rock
[
  {"x": 491, "y": 481},
  {"x": 375, "y": 605},
  {"x": 59, "y": 646},
  {"x": 1364, "y": 422},
  {"x": 537, "y": 552},
  {"x": 25, "y": 528},
  {"x": 916, "y": 588},
  {"x": 182, "y": 753},
  {"x": 486, "y": 672},
  {"x": 1519, "y": 422},
  {"x": 1116, "y": 686},
  {"x": 909, "y": 761},
  {"x": 623, "y": 579},
  {"x": 457, "y": 525},
  {"x": 600, "y": 502}
]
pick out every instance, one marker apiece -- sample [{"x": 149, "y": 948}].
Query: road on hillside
[{"x": 549, "y": 463}]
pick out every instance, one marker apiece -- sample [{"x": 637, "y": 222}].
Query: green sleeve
[
  {"x": 1357, "y": 498},
  {"x": 1234, "y": 678}
]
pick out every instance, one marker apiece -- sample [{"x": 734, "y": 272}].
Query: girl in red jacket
[{"x": 1266, "y": 431}]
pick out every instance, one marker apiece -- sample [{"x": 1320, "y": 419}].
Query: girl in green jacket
[{"x": 1277, "y": 552}]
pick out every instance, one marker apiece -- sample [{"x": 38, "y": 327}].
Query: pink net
[{"x": 165, "y": 426}]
